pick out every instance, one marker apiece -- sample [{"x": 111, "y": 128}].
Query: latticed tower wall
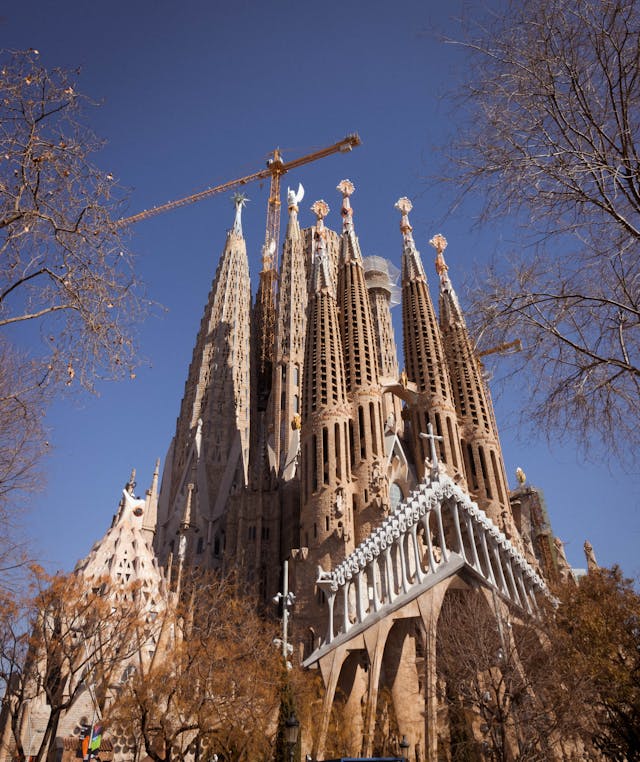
[
  {"x": 371, "y": 489},
  {"x": 425, "y": 362},
  {"x": 326, "y": 516},
  {"x": 484, "y": 466},
  {"x": 387, "y": 354},
  {"x": 289, "y": 345},
  {"x": 197, "y": 379},
  {"x": 215, "y": 409},
  {"x": 226, "y": 401}
]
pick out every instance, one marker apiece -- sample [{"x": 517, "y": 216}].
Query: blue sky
[{"x": 197, "y": 93}]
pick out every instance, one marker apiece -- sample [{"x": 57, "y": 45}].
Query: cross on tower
[{"x": 432, "y": 447}]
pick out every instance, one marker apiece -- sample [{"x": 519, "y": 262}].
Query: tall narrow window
[
  {"x": 452, "y": 442},
  {"x": 352, "y": 444},
  {"x": 441, "y": 447},
  {"x": 325, "y": 455},
  {"x": 374, "y": 428},
  {"x": 363, "y": 443},
  {"x": 485, "y": 474},
  {"x": 336, "y": 434},
  {"x": 472, "y": 467},
  {"x": 314, "y": 464},
  {"x": 496, "y": 474}
]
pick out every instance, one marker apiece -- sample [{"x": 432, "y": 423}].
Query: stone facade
[
  {"x": 301, "y": 445},
  {"x": 343, "y": 446}
]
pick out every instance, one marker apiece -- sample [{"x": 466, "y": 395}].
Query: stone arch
[
  {"x": 401, "y": 690},
  {"x": 350, "y": 698}
]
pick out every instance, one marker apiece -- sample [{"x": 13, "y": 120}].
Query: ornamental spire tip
[
  {"x": 439, "y": 243},
  {"x": 346, "y": 187},
  {"x": 404, "y": 206},
  {"x": 240, "y": 200}
]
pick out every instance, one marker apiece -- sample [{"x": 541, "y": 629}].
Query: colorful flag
[{"x": 96, "y": 737}]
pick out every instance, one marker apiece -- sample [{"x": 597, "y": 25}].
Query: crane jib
[{"x": 276, "y": 166}]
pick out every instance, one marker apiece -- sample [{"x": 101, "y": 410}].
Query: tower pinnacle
[
  {"x": 346, "y": 187},
  {"x": 412, "y": 267},
  {"x": 439, "y": 243},
  {"x": 321, "y": 276},
  {"x": 404, "y": 206},
  {"x": 240, "y": 200}
]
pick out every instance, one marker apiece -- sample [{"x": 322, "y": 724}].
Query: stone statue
[
  {"x": 135, "y": 505},
  {"x": 592, "y": 564}
]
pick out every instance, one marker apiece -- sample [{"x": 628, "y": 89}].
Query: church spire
[
  {"x": 326, "y": 515},
  {"x": 239, "y": 200},
  {"x": 216, "y": 399},
  {"x": 289, "y": 344},
  {"x": 480, "y": 444},
  {"x": 425, "y": 359},
  {"x": 371, "y": 490}
]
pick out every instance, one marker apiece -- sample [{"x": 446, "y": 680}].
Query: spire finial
[
  {"x": 240, "y": 200},
  {"x": 439, "y": 243},
  {"x": 404, "y": 206},
  {"x": 321, "y": 266},
  {"x": 321, "y": 209},
  {"x": 294, "y": 198},
  {"x": 346, "y": 187}
]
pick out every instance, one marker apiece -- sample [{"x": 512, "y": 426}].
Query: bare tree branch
[{"x": 551, "y": 119}]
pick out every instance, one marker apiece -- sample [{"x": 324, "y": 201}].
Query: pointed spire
[
  {"x": 349, "y": 245},
  {"x": 321, "y": 276},
  {"x": 240, "y": 200},
  {"x": 449, "y": 306},
  {"x": 439, "y": 243},
  {"x": 412, "y": 268},
  {"x": 131, "y": 484},
  {"x": 153, "y": 489},
  {"x": 293, "y": 199},
  {"x": 404, "y": 206},
  {"x": 346, "y": 187}
]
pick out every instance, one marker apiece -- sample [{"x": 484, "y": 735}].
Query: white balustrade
[{"x": 423, "y": 537}]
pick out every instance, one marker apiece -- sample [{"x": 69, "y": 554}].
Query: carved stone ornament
[
  {"x": 404, "y": 206},
  {"x": 341, "y": 502},
  {"x": 320, "y": 209},
  {"x": 439, "y": 243},
  {"x": 346, "y": 187}
]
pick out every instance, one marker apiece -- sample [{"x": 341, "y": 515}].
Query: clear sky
[{"x": 196, "y": 93}]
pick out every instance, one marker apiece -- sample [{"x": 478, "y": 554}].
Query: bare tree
[
  {"x": 551, "y": 119},
  {"x": 214, "y": 686},
  {"x": 62, "y": 259},
  {"x": 22, "y": 438},
  {"x": 68, "y": 293},
  {"x": 58, "y": 642},
  {"x": 508, "y": 695}
]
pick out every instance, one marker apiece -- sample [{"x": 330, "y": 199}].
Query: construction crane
[
  {"x": 516, "y": 345},
  {"x": 276, "y": 167},
  {"x": 264, "y": 311}
]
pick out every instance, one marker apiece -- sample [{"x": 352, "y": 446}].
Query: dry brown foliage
[
  {"x": 509, "y": 693},
  {"x": 68, "y": 292},
  {"x": 60, "y": 640},
  {"x": 214, "y": 686}
]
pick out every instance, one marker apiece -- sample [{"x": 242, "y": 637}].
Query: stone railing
[{"x": 437, "y": 530}]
